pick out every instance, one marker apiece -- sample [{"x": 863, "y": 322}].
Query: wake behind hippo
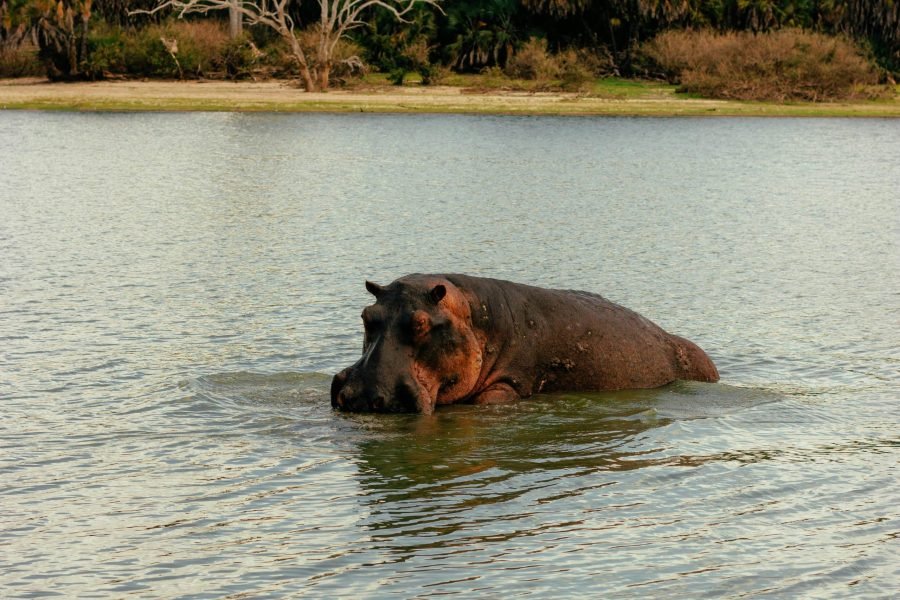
[{"x": 442, "y": 339}]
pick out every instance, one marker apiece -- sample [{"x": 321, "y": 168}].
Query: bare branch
[{"x": 337, "y": 18}]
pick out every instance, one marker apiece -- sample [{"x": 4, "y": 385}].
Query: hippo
[{"x": 432, "y": 340}]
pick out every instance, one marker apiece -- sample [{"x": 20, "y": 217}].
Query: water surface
[{"x": 176, "y": 289}]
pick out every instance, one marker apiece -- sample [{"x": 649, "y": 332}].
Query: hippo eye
[
  {"x": 370, "y": 320},
  {"x": 371, "y": 328},
  {"x": 372, "y": 324}
]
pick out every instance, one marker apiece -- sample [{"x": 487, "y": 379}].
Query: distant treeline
[
  {"x": 477, "y": 34},
  {"x": 101, "y": 38}
]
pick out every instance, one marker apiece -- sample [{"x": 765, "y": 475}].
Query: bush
[
  {"x": 417, "y": 58},
  {"x": 398, "y": 55},
  {"x": 346, "y": 63},
  {"x": 781, "y": 66},
  {"x": 20, "y": 61},
  {"x": 571, "y": 69},
  {"x": 278, "y": 59},
  {"x": 532, "y": 61},
  {"x": 177, "y": 49},
  {"x": 238, "y": 57},
  {"x": 144, "y": 54},
  {"x": 201, "y": 45},
  {"x": 433, "y": 74},
  {"x": 105, "y": 55},
  {"x": 574, "y": 72}
]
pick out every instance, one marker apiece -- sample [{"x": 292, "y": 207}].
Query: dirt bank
[{"x": 280, "y": 96}]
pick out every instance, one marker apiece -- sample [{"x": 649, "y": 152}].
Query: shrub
[
  {"x": 278, "y": 59},
  {"x": 346, "y": 63},
  {"x": 177, "y": 49},
  {"x": 201, "y": 45},
  {"x": 574, "y": 73},
  {"x": 433, "y": 74},
  {"x": 144, "y": 54},
  {"x": 598, "y": 61},
  {"x": 20, "y": 61},
  {"x": 533, "y": 61},
  {"x": 782, "y": 65},
  {"x": 238, "y": 57},
  {"x": 570, "y": 69},
  {"x": 400, "y": 54},
  {"x": 105, "y": 55},
  {"x": 417, "y": 58}
]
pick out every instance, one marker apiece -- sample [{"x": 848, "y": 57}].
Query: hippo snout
[
  {"x": 338, "y": 399},
  {"x": 348, "y": 394}
]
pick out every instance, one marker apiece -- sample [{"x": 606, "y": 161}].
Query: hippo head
[{"x": 420, "y": 349}]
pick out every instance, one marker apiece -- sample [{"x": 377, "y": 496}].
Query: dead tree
[{"x": 338, "y": 17}]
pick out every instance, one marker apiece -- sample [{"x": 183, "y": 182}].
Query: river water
[{"x": 176, "y": 289}]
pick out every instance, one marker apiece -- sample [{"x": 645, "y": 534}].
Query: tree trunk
[
  {"x": 83, "y": 50},
  {"x": 308, "y": 81},
  {"x": 324, "y": 73},
  {"x": 235, "y": 20}
]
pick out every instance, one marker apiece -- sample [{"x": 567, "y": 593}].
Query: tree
[
  {"x": 337, "y": 19},
  {"x": 62, "y": 30}
]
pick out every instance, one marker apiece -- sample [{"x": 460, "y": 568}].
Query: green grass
[
  {"x": 631, "y": 88},
  {"x": 610, "y": 87}
]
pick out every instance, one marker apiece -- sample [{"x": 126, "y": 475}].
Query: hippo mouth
[{"x": 406, "y": 397}]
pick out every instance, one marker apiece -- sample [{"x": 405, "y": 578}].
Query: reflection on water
[{"x": 174, "y": 296}]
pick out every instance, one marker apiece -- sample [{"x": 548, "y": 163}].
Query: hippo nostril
[
  {"x": 406, "y": 396},
  {"x": 339, "y": 392}
]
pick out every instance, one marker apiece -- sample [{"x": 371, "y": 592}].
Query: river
[{"x": 177, "y": 289}]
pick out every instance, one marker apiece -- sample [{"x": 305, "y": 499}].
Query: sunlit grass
[{"x": 632, "y": 88}]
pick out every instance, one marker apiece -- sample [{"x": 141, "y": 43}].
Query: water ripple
[{"x": 167, "y": 327}]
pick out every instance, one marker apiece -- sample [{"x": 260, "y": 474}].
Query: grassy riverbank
[{"x": 460, "y": 94}]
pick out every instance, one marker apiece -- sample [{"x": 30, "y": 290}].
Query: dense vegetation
[
  {"x": 810, "y": 49},
  {"x": 780, "y": 65}
]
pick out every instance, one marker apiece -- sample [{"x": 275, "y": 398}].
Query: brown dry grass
[
  {"x": 780, "y": 66},
  {"x": 19, "y": 61}
]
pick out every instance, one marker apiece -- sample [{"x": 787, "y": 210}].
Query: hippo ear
[
  {"x": 374, "y": 289},
  {"x": 437, "y": 293}
]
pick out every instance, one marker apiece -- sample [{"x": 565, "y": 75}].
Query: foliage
[
  {"x": 623, "y": 25},
  {"x": 62, "y": 30},
  {"x": 238, "y": 57},
  {"x": 337, "y": 19},
  {"x": 398, "y": 48},
  {"x": 567, "y": 42},
  {"x": 182, "y": 49},
  {"x": 105, "y": 51},
  {"x": 574, "y": 69},
  {"x": 477, "y": 35},
  {"x": 19, "y": 60},
  {"x": 342, "y": 64},
  {"x": 127, "y": 13},
  {"x": 781, "y": 65},
  {"x": 532, "y": 61}
]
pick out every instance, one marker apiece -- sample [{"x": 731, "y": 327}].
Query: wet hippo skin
[{"x": 442, "y": 339}]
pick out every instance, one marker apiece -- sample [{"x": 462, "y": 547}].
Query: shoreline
[{"x": 285, "y": 96}]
